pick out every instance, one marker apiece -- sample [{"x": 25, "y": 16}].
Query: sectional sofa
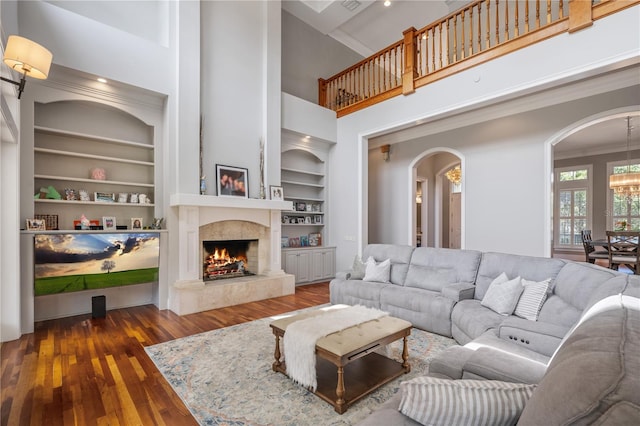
[{"x": 468, "y": 295}]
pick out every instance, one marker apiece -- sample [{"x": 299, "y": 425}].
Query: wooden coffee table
[{"x": 360, "y": 370}]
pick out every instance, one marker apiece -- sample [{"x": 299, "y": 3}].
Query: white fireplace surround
[{"x": 197, "y": 219}]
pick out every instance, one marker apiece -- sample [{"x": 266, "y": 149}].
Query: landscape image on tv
[{"x": 76, "y": 262}]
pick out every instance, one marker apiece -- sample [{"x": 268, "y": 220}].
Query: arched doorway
[
  {"x": 439, "y": 203},
  {"x": 584, "y": 155}
]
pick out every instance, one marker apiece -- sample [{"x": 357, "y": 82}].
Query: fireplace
[
  {"x": 204, "y": 219},
  {"x": 229, "y": 258}
]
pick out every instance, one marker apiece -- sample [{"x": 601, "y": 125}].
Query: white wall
[
  {"x": 518, "y": 148},
  {"x": 83, "y": 46},
  {"x": 10, "y": 327},
  {"x": 307, "y": 55},
  {"x": 241, "y": 87}
]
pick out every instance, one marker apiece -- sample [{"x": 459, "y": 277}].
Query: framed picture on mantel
[{"x": 232, "y": 181}]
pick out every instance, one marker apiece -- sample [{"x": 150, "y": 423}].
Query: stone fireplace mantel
[
  {"x": 189, "y": 292},
  {"x": 195, "y": 200}
]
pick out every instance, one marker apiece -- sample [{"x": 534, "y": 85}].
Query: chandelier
[
  {"x": 455, "y": 175},
  {"x": 626, "y": 184}
]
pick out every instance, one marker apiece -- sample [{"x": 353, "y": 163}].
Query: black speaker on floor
[{"x": 99, "y": 306}]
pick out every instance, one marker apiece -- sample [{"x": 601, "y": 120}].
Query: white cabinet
[
  {"x": 298, "y": 264},
  {"x": 310, "y": 264},
  {"x": 72, "y": 139}
]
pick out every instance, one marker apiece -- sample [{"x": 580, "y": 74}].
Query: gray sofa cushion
[
  {"x": 425, "y": 309},
  {"x": 528, "y": 267},
  {"x": 470, "y": 319},
  {"x": 572, "y": 289},
  {"x": 400, "y": 257},
  {"x": 538, "y": 336},
  {"x": 433, "y": 268},
  {"x": 593, "y": 378},
  {"x": 492, "y": 364},
  {"x": 388, "y": 415},
  {"x": 355, "y": 292}
]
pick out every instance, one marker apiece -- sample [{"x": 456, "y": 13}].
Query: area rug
[{"x": 224, "y": 377}]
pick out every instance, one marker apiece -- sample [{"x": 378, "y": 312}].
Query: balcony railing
[{"x": 481, "y": 31}]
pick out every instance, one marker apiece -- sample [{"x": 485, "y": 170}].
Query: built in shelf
[
  {"x": 93, "y": 203},
  {"x": 92, "y": 156},
  {"x": 306, "y": 213},
  {"x": 314, "y": 200},
  {"x": 101, "y": 182},
  {"x": 85, "y": 136},
  {"x": 303, "y": 172},
  {"x": 312, "y": 185}
]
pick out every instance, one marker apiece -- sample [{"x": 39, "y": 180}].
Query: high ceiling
[{"x": 368, "y": 26}]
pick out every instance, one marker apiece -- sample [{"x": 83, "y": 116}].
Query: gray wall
[{"x": 308, "y": 55}]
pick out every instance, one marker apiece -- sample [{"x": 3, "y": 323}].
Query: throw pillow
[
  {"x": 434, "y": 401},
  {"x": 358, "y": 269},
  {"x": 378, "y": 272},
  {"x": 532, "y": 298},
  {"x": 502, "y": 296}
]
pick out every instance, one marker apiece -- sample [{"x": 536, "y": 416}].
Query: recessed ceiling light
[
  {"x": 387, "y": 3},
  {"x": 102, "y": 80}
]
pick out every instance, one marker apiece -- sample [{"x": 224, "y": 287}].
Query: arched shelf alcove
[{"x": 99, "y": 160}]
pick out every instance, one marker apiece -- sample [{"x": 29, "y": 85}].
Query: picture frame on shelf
[
  {"x": 136, "y": 223},
  {"x": 315, "y": 207},
  {"x": 277, "y": 193},
  {"x": 315, "y": 239},
  {"x": 304, "y": 240},
  {"x": 109, "y": 223},
  {"x": 301, "y": 206},
  {"x": 50, "y": 220},
  {"x": 294, "y": 242},
  {"x": 104, "y": 197},
  {"x": 317, "y": 219},
  {"x": 36, "y": 225},
  {"x": 307, "y": 220},
  {"x": 232, "y": 181}
]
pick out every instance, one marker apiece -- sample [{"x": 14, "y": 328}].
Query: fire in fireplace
[{"x": 228, "y": 259}]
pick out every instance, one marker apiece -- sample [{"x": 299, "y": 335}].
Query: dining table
[{"x": 604, "y": 242}]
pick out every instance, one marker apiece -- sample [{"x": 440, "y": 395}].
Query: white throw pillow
[
  {"x": 378, "y": 272},
  {"x": 502, "y": 296},
  {"x": 358, "y": 269},
  {"x": 434, "y": 401},
  {"x": 532, "y": 298}
]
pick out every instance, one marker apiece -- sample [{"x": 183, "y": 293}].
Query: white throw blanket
[{"x": 301, "y": 336}]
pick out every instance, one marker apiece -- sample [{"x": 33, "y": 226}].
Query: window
[
  {"x": 624, "y": 213},
  {"x": 573, "y": 194}
]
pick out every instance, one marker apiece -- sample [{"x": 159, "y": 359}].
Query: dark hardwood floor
[{"x": 84, "y": 371}]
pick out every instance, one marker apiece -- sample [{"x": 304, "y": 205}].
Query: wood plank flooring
[{"x": 84, "y": 371}]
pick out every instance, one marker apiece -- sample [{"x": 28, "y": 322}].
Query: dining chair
[
  {"x": 590, "y": 252},
  {"x": 623, "y": 250}
]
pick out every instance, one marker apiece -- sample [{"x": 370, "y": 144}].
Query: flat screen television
[{"x": 88, "y": 261}]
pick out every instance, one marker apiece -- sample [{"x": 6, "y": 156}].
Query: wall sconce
[
  {"x": 26, "y": 57},
  {"x": 384, "y": 149}
]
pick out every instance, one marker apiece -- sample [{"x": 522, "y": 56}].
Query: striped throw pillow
[
  {"x": 532, "y": 298},
  {"x": 434, "y": 401}
]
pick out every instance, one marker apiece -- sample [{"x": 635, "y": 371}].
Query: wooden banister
[
  {"x": 410, "y": 69},
  {"x": 478, "y": 32}
]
